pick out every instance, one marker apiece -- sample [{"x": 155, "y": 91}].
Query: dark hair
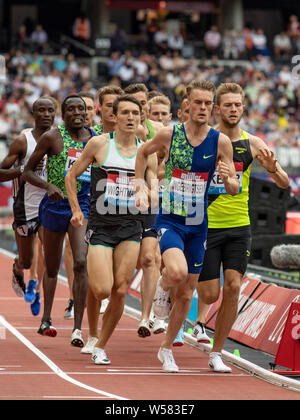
[
  {"x": 41, "y": 98},
  {"x": 64, "y": 103},
  {"x": 86, "y": 95},
  {"x": 125, "y": 98},
  {"x": 135, "y": 88}
]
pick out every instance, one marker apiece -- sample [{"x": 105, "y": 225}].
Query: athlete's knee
[
  {"x": 208, "y": 296},
  {"x": 147, "y": 259},
  {"x": 231, "y": 289},
  {"x": 80, "y": 265},
  {"x": 119, "y": 293},
  {"x": 100, "y": 293},
  {"x": 176, "y": 276}
]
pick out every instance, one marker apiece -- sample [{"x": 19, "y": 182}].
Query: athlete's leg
[
  {"x": 24, "y": 259},
  {"x": 80, "y": 284},
  {"x": 33, "y": 272},
  {"x": 124, "y": 262},
  {"x": 69, "y": 265},
  {"x": 100, "y": 279},
  {"x": 52, "y": 244},
  {"x": 150, "y": 264},
  {"x": 180, "y": 309},
  {"x": 228, "y": 309}
]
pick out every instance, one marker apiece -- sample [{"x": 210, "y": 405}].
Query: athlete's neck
[
  {"x": 124, "y": 138},
  {"x": 108, "y": 127},
  {"x": 196, "y": 133},
  {"x": 76, "y": 133},
  {"x": 38, "y": 131},
  {"x": 233, "y": 132}
]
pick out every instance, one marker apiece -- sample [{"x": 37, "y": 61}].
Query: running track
[{"x": 41, "y": 368}]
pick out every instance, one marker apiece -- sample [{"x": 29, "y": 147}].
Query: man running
[
  {"x": 149, "y": 259},
  {"x": 228, "y": 239},
  {"x": 192, "y": 150},
  {"x": 62, "y": 146},
  {"x": 27, "y": 197},
  {"x": 114, "y": 229}
]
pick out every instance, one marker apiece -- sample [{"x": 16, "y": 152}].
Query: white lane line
[{"x": 51, "y": 364}]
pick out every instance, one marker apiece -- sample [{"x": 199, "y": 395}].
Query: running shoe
[
  {"x": 18, "y": 283},
  {"x": 89, "y": 347},
  {"x": 99, "y": 356},
  {"x": 144, "y": 329},
  {"x": 31, "y": 291},
  {"x": 76, "y": 338},
  {"x": 36, "y": 305},
  {"x": 47, "y": 329},
  {"x": 69, "y": 311},
  {"x": 104, "y": 305},
  {"x": 216, "y": 363},
  {"x": 165, "y": 356},
  {"x": 200, "y": 334},
  {"x": 161, "y": 302},
  {"x": 158, "y": 326},
  {"x": 151, "y": 319},
  {"x": 179, "y": 340}
]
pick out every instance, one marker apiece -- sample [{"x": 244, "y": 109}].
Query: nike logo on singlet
[{"x": 207, "y": 157}]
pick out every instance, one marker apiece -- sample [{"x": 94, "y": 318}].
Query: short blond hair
[
  {"x": 200, "y": 84},
  {"x": 160, "y": 100},
  {"x": 225, "y": 88},
  {"x": 109, "y": 90}
]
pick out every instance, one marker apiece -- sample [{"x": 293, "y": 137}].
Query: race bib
[
  {"x": 217, "y": 186},
  {"x": 188, "y": 187},
  {"x": 119, "y": 190},
  {"x": 73, "y": 155}
]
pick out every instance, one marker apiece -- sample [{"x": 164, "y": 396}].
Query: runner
[
  {"x": 160, "y": 109},
  {"x": 114, "y": 229},
  {"x": 107, "y": 96},
  {"x": 228, "y": 240},
  {"x": 192, "y": 150},
  {"x": 68, "y": 257},
  {"x": 149, "y": 258},
  {"x": 62, "y": 145},
  {"x": 27, "y": 197}
]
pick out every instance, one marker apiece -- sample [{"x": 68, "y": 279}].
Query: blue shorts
[
  {"x": 56, "y": 215},
  {"x": 191, "y": 240}
]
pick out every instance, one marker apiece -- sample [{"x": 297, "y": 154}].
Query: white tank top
[{"x": 27, "y": 197}]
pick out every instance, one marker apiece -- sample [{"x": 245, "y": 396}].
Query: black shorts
[
  {"x": 230, "y": 247},
  {"x": 148, "y": 222},
  {"x": 110, "y": 236},
  {"x": 27, "y": 228}
]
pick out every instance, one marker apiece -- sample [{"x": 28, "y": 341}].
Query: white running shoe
[
  {"x": 151, "y": 319},
  {"x": 76, "y": 339},
  {"x": 89, "y": 347},
  {"x": 216, "y": 363},
  {"x": 99, "y": 356},
  {"x": 161, "y": 302},
  {"x": 104, "y": 305},
  {"x": 144, "y": 329},
  {"x": 159, "y": 326},
  {"x": 165, "y": 356},
  {"x": 200, "y": 334}
]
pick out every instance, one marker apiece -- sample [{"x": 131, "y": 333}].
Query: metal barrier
[{"x": 280, "y": 278}]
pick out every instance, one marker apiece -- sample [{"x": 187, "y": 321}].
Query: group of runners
[{"x": 137, "y": 192}]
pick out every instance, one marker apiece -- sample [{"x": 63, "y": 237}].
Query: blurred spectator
[
  {"x": 82, "y": 28},
  {"x": 212, "y": 41},
  {"x": 39, "y": 39},
  {"x": 126, "y": 72},
  {"x": 294, "y": 33},
  {"x": 22, "y": 37},
  {"x": 175, "y": 41},
  {"x": 114, "y": 63},
  {"x": 259, "y": 40},
  {"x": 282, "y": 45},
  {"x": 161, "y": 37},
  {"x": 119, "y": 40},
  {"x": 230, "y": 49}
]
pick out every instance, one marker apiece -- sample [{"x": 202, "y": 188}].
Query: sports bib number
[
  {"x": 217, "y": 186},
  {"x": 119, "y": 190},
  {"x": 187, "y": 191},
  {"x": 73, "y": 155}
]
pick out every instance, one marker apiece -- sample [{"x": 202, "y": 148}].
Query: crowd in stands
[{"x": 272, "y": 88}]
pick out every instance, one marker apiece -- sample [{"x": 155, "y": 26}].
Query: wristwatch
[{"x": 22, "y": 169}]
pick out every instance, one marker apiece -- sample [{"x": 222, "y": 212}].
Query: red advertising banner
[{"x": 262, "y": 315}]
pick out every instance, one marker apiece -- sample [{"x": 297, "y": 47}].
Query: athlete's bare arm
[
  {"x": 17, "y": 151},
  {"x": 46, "y": 146},
  {"x": 226, "y": 165},
  {"x": 95, "y": 151},
  {"x": 267, "y": 160}
]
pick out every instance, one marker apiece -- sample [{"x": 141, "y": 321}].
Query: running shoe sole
[{"x": 144, "y": 332}]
